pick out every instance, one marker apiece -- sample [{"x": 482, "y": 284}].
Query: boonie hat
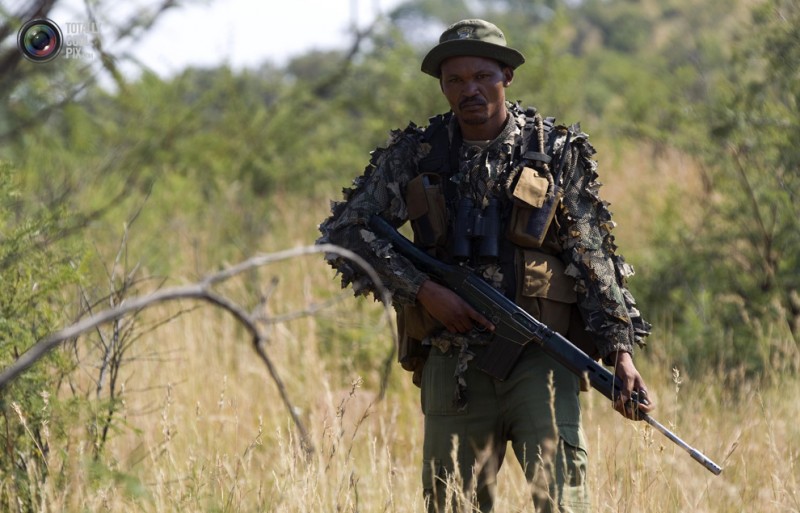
[{"x": 477, "y": 38}]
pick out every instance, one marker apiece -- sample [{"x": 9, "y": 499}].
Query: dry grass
[
  {"x": 203, "y": 428},
  {"x": 206, "y": 432}
]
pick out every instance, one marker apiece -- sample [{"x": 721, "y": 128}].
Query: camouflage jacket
[{"x": 587, "y": 245}]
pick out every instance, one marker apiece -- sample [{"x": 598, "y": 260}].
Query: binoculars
[{"x": 477, "y": 231}]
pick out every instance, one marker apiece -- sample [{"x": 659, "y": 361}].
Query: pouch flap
[
  {"x": 416, "y": 201},
  {"x": 544, "y": 277},
  {"x": 531, "y": 187}
]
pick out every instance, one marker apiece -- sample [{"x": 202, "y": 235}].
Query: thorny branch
[{"x": 203, "y": 291}]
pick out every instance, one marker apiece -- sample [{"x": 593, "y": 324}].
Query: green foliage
[
  {"x": 34, "y": 270},
  {"x": 740, "y": 264},
  {"x": 624, "y": 26}
]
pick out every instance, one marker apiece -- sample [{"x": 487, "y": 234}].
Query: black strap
[
  {"x": 535, "y": 155},
  {"x": 444, "y": 156}
]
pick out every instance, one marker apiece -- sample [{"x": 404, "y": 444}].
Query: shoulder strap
[
  {"x": 443, "y": 156},
  {"x": 437, "y": 136}
]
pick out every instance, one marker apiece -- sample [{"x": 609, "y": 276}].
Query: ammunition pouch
[
  {"x": 542, "y": 275},
  {"x": 414, "y": 323},
  {"x": 427, "y": 210},
  {"x": 548, "y": 294},
  {"x": 533, "y": 209}
]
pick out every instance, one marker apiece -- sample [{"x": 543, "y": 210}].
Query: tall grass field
[{"x": 202, "y": 427}]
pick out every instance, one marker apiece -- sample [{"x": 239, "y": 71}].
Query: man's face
[{"x": 475, "y": 89}]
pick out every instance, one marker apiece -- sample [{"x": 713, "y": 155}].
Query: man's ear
[{"x": 508, "y": 75}]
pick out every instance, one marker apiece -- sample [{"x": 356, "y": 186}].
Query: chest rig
[
  {"x": 520, "y": 219},
  {"x": 454, "y": 228}
]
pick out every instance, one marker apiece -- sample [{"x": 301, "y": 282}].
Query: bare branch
[
  {"x": 202, "y": 291},
  {"x": 323, "y": 88}
]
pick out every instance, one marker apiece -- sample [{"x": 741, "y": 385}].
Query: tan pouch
[
  {"x": 533, "y": 210},
  {"x": 543, "y": 276},
  {"x": 413, "y": 325},
  {"x": 531, "y": 189},
  {"x": 416, "y": 322},
  {"x": 427, "y": 210},
  {"x": 548, "y": 294}
]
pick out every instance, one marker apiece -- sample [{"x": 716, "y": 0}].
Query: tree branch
[{"x": 202, "y": 291}]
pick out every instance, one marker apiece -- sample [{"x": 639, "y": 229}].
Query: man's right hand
[{"x": 447, "y": 307}]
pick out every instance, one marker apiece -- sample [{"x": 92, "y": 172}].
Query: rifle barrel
[{"x": 694, "y": 453}]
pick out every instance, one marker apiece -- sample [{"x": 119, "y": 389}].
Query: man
[{"x": 501, "y": 190}]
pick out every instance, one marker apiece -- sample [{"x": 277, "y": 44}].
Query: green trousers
[{"x": 463, "y": 450}]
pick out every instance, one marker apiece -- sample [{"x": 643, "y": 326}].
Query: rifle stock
[{"x": 515, "y": 329}]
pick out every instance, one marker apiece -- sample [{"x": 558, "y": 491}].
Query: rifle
[{"x": 515, "y": 328}]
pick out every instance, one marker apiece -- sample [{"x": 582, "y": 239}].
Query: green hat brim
[{"x": 432, "y": 62}]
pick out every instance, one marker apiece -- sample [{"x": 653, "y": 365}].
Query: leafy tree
[{"x": 739, "y": 274}]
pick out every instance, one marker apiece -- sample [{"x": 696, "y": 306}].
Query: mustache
[{"x": 471, "y": 101}]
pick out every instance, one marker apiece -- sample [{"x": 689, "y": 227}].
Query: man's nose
[{"x": 470, "y": 88}]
